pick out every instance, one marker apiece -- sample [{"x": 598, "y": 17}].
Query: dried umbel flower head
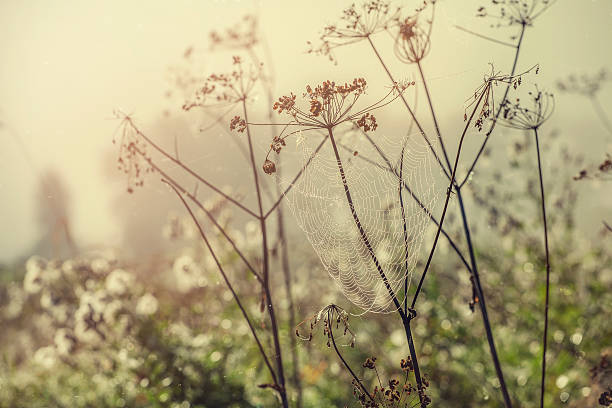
[
  {"x": 586, "y": 84},
  {"x": 133, "y": 159},
  {"x": 515, "y": 12},
  {"x": 333, "y": 318},
  {"x": 356, "y": 23},
  {"x": 242, "y": 36},
  {"x": 528, "y": 114},
  {"x": 412, "y": 42},
  {"x": 602, "y": 171},
  {"x": 329, "y": 105},
  {"x": 396, "y": 392},
  {"x": 485, "y": 93},
  {"x": 226, "y": 89}
]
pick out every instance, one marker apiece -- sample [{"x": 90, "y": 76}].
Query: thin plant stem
[
  {"x": 349, "y": 369},
  {"x": 169, "y": 180},
  {"x": 472, "y": 259},
  {"x": 485, "y": 37},
  {"x": 366, "y": 242},
  {"x": 414, "y": 118},
  {"x": 433, "y": 113},
  {"x": 391, "y": 169},
  {"x": 483, "y": 307},
  {"x": 284, "y": 252},
  {"x": 401, "y": 199},
  {"x": 227, "y": 282},
  {"x": 484, "y": 143},
  {"x": 189, "y": 170},
  {"x": 297, "y": 176},
  {"x": 266, "y": 269},
  {"x": 268, "y": 82},
  {"x": 446, "y": 201},
  {"x": 546, "y": 301}
]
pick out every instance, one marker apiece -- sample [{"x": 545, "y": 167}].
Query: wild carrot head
[
  {"x": 225, "y": 89},
  {"x": 586, "y": 84},
  {"x": 242, "y": 36},
  {"x": 356, "y": 23},
  {"x": 514, "y": 12},
  {"x": 334, "y": 318},
  {"x": 528, "y": 114},
  {"x": 485, "y": 93},
  {"x": 133, "y": 158},
  {"x": 329, "y": 105},
  {"x": 412, "y": 41}
]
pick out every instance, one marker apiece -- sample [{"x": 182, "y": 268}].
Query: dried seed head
[
  {"x": 242, "y": 36},
  {"x": 238, "y": 124},
  {"x": 530, "y": 114},
  {"x": 514, "y": 12},
  {"x": 586, "y": 84},
  {"x": 412, "y": 41},
  {"x": 356, "y": 23},
  {"x": 269, "y": 168},
  {"x": 226, "y": 89}
]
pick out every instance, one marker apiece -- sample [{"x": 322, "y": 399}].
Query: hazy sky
[{"x": 67, "y": 64}]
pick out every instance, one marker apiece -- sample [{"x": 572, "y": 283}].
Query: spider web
[{"x": 318, "y": 201}]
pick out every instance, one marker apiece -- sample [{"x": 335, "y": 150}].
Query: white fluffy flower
[
  {"x": 118, "y": 282},
  {"x": 32, "y": 282},
  {"x": 64, "y": 341},
  {"x": 45, "y": 356},
  {"x": 147, "y": 305},
  {"x": 186, "y": 272}
]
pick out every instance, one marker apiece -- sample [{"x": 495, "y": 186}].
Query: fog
[{"x": 67, "y": 65}]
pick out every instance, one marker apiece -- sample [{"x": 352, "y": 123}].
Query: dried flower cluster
[
  {"x": 603, "y": 171},
  {"x": 225, "y": 89},
  {"x": 515, "y": 12},
  {"x": 412, "y": 42},
  {"x": 332, "y": 316},
  {"x": 242, "y": 36},
  {"x": 356, "y": 24},
  {"x": 133, "y": 159},
  {"x": 539, "y": 108},
  {"x": 396, "y": 393},
  {"x": 586, "y": 84},
  {"x": 329, "y": 105},
  {"x": 485, "y": 92}
]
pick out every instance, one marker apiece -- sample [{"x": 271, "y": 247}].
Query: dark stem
[
  {"x": 227, "y": 282},
  {"x": 401, "y": 199},
  {"x": 350, "y": 370},
  {"x": 188, "y": 170},
  {"x": 484, "y": 143},
  {"x": 266, "y": 269},
  {"x": 297, "y": 176},
  {"x": 546, "y": 301},
  {"x": 483, "y": 307},
  {"x": 433, "y": 113},
  {"x": 284, "y": 250},
  {"x": 197, "y": 202},
  {"x": 449, "y": 191},
  {"x": 366, "y": 242},
  {"x": 409, "y": 110},
  {"x": 391, "y": 169},
  {"x": 472, "y": 257},
  {"x": 485, "y": 37}
]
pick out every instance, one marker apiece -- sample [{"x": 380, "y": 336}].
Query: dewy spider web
[{"x": 319, "y": 203}]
